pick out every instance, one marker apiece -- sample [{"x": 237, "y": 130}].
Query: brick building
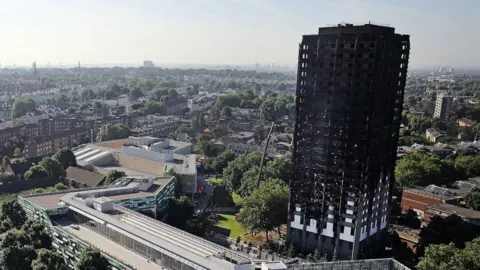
[
  {"x": 417, "y": 199},
  {"x": 445, "y": 210},
  {"x": 47, "y": 145},
  {"x": 9, "y": 133}
]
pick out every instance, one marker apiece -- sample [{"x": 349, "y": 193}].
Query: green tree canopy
[
  {"x": 468, "y": 166},
  {"x": 51, "y": 166},
  {"x": 17, "y": 257},
  {"x": 266, "y": 208},
  {"x": 451, "y": 229},
  {"x": 420, "y": 169},
  {"x": 63, "y": 98},
  {"x": 221, "y": 161},
  {"x": 48, "y": 260},
  {"x": 473, "y": 200},
  {"x": 274, "y": 108},
  {"x": 91, "y": 258},
  {"x": 17, "y": 153},
  {"x": 113, "y": 132},
  {"x": 88, "y": 95},
  {"x": 233, "y": 173},
  {"x": 448, "y": 257},
  {"x": 66, "y": 157},
  {"x": 37, "y": 235},
  {"x": 12, "y": 211},
  {"x": 136, "y": 93},
  {"x": 180, "y": 210},
  {"x": 22, "y": 106},
  {"x": 227, "y": 111},
  {"x": 153, "y": 107},
  {"x": 113, "y": 175},
  {"x": 35, "y": 171}
]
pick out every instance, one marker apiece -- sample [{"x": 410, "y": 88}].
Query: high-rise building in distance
[
  {"x": 443, "y": 106},
  {"x": 350, "y": 86}
]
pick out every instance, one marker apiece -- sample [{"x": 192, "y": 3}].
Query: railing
[
  {"x": 240, "y": 257},
  {"x": 375, "y": 264},
  {"x": 85, "y": 242}
]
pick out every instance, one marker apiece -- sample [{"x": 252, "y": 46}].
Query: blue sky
[{"x": 222, "y": 31}]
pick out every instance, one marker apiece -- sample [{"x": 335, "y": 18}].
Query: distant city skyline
[{"x": 221, "y": 32}]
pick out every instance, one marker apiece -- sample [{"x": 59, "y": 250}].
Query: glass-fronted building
[{"x": 109, "y": 218}]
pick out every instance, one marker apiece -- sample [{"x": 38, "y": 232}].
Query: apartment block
[
  {"x": 443, "y": 106},
  {"x": 350, "y": 86}
]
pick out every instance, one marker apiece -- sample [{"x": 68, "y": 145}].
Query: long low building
[{"x": 105, "y": 218}]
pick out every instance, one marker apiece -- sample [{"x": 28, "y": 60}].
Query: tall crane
[{"x": 264, "y": 154}]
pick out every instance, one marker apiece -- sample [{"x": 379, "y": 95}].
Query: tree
[
  {"x": 468, "y": 166},
  {"x": 208, "y": 148},
  {"x": 279, "y": 168},
  {"x": 153, "y": 107},
  {"x": 22, "y": 106},
  {"x": 221, "y": 162},
  {"x": 227, "y": 111},
  {"x": 233, "y": 174},
  {"x": 66, "y": 157},
  {"x": 63, "y": 98},
  {"x": 88, "y": 95},
  {"x": 446, "y": 257},
  {"x": 48, "y": 260},
  {"x": 51, "y": 166},
  {"x": 37, "y": 235},
  {"x": 97, "y": 106},
  {"x": 114, "y": 175},
  {"x": 5, "y": 162},
  {"x": 60, "y": 186},
  {"x": 113, "y": 132},
  {"x": 71, "y": 110},
  {"x": 136, "y": 113},
  {"x": 266, "y": 208},
  {"x": 15, "y": 257},
  {"x": 6, "y": 178},
  {"x": 274, "y": 108},
  {"x": 35, "y": 171},
  {"x": 85, "y": 107},
  {"x": 12, "y": 211},
  {"x": 451, "y": 229},
  {"x": 136, "y": 93},
  {"x": 473, "y": 200},
  {"x": 18, "y": 153},
  {"x": 420, "y": 169},
  {"x": 180, "y": 210},
  {"x": 91, "y": 258},
  {"x": 411, "y": 219}
]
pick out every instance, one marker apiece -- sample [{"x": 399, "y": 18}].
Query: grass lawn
[
  {"x": 228, "y": 226},
  {"x": 232, "y": 228}
]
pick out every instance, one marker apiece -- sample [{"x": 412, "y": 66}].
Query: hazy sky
[{"x": 222, "y": 31}]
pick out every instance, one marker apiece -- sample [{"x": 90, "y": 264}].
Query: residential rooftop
[
  {"x": 454, "y": 209},
  {"x": 439, "y": 192}
]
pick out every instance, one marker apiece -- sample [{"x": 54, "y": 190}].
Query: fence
[{"x": 377, "y": 264}]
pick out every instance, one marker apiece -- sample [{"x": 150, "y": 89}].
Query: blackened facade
[{"x": 350, "y": 86}]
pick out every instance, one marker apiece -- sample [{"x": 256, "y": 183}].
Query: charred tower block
[{"x": 350, "y": 86}]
